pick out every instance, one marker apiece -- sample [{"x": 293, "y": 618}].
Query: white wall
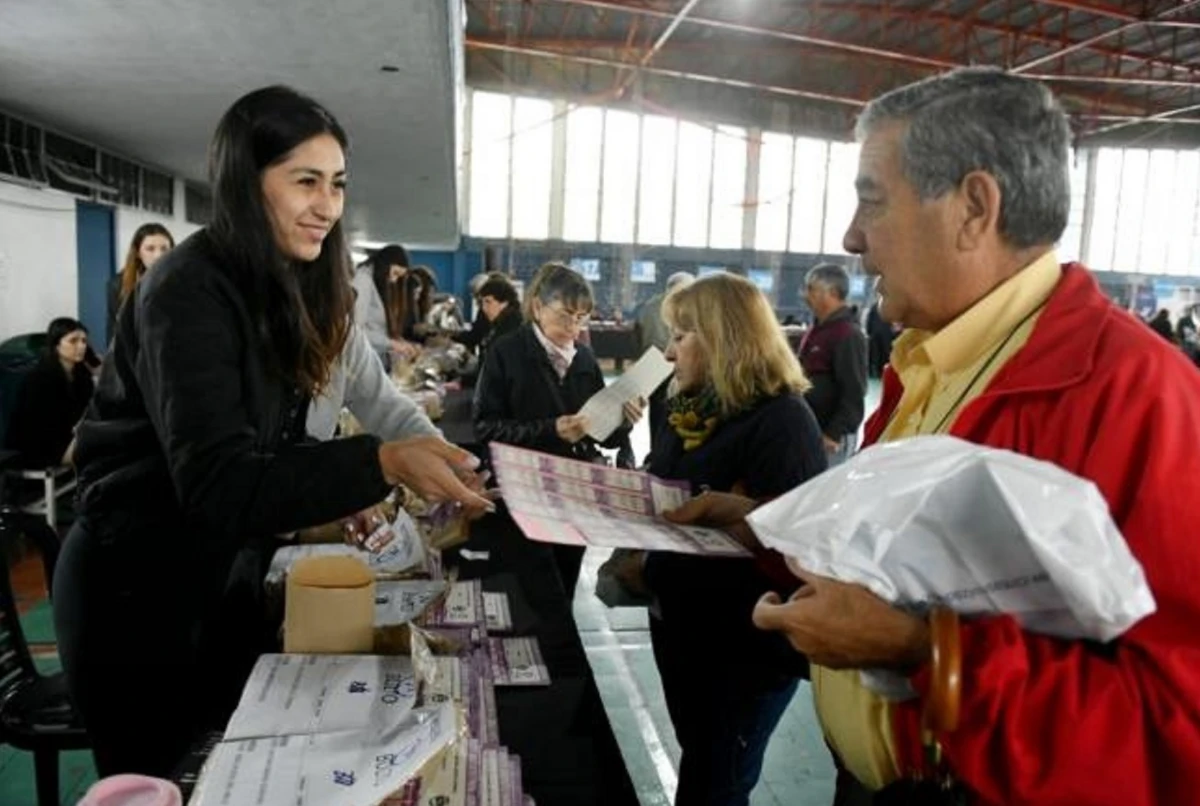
[
  {"x": 38, "y": 261},
  {"x": 129, "y": 219}
]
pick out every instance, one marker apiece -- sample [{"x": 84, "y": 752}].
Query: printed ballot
[{"x": 557, "y": 500}]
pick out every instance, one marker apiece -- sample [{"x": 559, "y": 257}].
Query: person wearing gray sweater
[{"x": 359, "y": 383}]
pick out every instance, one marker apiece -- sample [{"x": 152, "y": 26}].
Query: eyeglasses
[{"x": 566, "y": 318}]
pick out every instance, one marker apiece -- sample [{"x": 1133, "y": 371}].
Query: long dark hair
[
  {"x": 134, "y": 268},
  {"x": 395, "y": 296},
  {"x": 302, "y": 309}
]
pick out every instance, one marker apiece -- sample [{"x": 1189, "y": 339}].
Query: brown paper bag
[{"x": 330, "y": 606}]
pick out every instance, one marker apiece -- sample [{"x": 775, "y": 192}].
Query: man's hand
[
  {"x": 725, "y": 511},
  {"x": 571, "y": 427},
  {"x": 831, "y": 445},
  {"x": 844, "y": 626}
]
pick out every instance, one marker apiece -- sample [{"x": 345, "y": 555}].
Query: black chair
[{"x": 36, "y": 714}]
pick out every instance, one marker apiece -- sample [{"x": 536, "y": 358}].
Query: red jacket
[{"x": 1048, "y": 721}]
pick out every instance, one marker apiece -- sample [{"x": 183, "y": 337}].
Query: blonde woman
[{"x": 738, "y": 420}]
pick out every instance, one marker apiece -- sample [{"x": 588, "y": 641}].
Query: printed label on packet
[
  {"x": 497, "y": 613},
  {"x": 517, "y": 662}
]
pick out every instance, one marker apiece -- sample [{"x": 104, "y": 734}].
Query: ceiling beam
[
  {"x": 1161, "y": 117},
  {"x": 1116, "y": 13},
  {"x": 941, "y": 19},
  {"x": 1086, "y": 43},
  {"x": 476, "y": 43},
  {"x": 804, "y": 39},
  {"x": 1117, "y": 80},
  {"x": 480, "y": 43}
]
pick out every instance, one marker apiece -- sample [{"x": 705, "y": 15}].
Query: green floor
[{"x": 75, "y": 771}]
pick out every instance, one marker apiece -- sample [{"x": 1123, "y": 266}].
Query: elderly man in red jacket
[{"x": 962, "y": 194}]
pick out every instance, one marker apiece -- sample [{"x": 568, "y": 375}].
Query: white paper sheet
[
  {"x": 309, "y": 694},
  {"x": 332, "y": 769},
  {"x": 401, "y": 601},
  {"x": 604, "y": 411}
]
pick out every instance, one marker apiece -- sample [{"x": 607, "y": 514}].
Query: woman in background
[
  {"x": 52, "y": 398},
  {"x": 422, "y": 285},
  {"x": 534, "y": 381},
  {"x": 738, "y": 420},
  {"x": 381, "y": 302},
  {"x": 150, "y": 242}
]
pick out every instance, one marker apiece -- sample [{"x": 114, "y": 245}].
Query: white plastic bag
[{"x": 937, "y": 520}]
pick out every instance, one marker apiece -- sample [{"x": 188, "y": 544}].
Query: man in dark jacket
[{"x": 834, "y": 356}]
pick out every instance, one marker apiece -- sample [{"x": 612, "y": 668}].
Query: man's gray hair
[
  {"x": 832, "y": 276},
  {"x": 680, "y": 279},
  {"x": 983, "y": 119}
]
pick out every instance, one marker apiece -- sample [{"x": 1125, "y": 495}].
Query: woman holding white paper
[
  {"x": 738, "y": 421},
  {"x": 535, "y": 380}
]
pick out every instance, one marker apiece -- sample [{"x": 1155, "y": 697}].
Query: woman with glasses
[{"x": 535, "y": 380}]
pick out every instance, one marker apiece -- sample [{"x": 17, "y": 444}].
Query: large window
[
  {"x": 774, "y": 192},
  {"x": 1183, "y": 216},
  {"x": 619, "y": 191},
  {"x": 491, "y": 137},
  {"x": 654, "y": 180},
  {"x": 581, "y": 194},
  {"x": 692, "y": 179},
  {"x": 729, "y": 188},
  {"x": 1070, "y": 244},
  {"x": 840, "y": 196},
  {"x": 657, "y": 180},
  {"x": 808, "y": 194},
  {"x": 533, "y": 139}
]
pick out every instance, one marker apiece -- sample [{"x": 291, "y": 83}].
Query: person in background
[
  {"x": 650, "y": 330},
  {"x": 479, "y": 326},
  {"x": 499, "y": 305},
  {"x": 834, "y": 356},
  {"x": 535, "y": 379},
  {"x": 963, "y": 190},
  {"x": 420, "y": 285},
  {"x": 193, "y": 449},
  {"x": 1188, "y": 335},
  {"x": 380, "y": 304},
  {"x": 1161, "y": 324},
  {"x": 150, "y": 242},
  {"x": 52, "y": 398},
  {"x": 738, "y": 420},
  {"x": 880, "y": 335}
]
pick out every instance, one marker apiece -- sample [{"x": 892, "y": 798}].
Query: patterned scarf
[{"x": 694, "y": 417}]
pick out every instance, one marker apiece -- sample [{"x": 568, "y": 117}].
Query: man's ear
[{"x": 979, "y": 200}]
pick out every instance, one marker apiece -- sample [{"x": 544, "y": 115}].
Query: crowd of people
[{"x": 213, "y": 422}]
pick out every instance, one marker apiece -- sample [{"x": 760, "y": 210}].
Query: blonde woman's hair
[{"x": 748, "y": 355}]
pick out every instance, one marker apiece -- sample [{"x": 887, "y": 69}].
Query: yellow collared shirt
[{"x": 941, "y": 373}]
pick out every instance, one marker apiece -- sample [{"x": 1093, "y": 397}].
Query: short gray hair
[
  {"x": 832, "y": 276},
  {"x": 984, "y": 119}
]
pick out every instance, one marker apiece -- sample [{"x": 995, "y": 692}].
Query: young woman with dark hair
[
  {"x": 150, "y": 242},
  {"x": 192, "y": 453},
  {"x": 381, "y": 304},
  {"x": 52, "y": 397}
]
